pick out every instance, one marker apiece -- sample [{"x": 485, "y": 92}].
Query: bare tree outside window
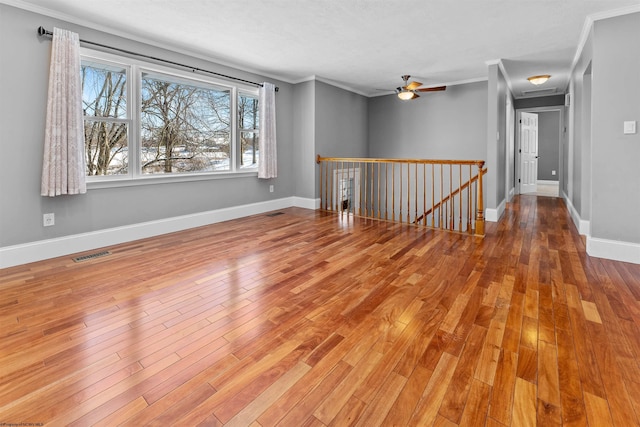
[
  {"x": 248, "y": 123},
  {"x": 180, "y": 124},
  {"x": 104, "y": 102},
  {"x": 184, "y": 128}
]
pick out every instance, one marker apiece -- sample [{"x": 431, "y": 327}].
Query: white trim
[
  {"x": 603, "y": 248},
  {"x": 95, "y": 25},
  {"x": 586, "y": 29},
  {"x": 547, "y": 182},
  {"x": 561, "y": 141},
  {"x": 583, "y": 226},
  {"x": 613, "y": 249},
  {"x": 306, "y": 203},
  {"x": 51, "y": 248},
  {"x": 339, "y": 85},
  {"x": 493, "y": 215}
]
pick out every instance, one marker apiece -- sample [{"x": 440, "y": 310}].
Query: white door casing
[{"x": 528, "y": 152}]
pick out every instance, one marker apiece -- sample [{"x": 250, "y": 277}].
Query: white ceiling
[{"x": 363, "y": 45}]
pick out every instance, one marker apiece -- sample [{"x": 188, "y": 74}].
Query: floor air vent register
[{"x": 91, "y": 256}]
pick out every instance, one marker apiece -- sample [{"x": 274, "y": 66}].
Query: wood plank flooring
[{"x": 313, "y": 319}]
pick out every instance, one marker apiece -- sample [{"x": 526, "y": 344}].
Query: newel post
[{"x": 480, "y": 203}]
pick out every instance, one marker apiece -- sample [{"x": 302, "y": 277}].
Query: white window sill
[{"x": 113, "y": 182}]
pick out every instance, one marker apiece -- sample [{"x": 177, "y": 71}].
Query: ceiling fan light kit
[
  {"x": 409, "y": 90},
  {"x": 406, "y": 95},
  {"x": 538, "y": 80}
]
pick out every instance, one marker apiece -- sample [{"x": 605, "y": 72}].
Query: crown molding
[
  {"x": 112, "y": 31},
  {"x": 588, "y": 25}
]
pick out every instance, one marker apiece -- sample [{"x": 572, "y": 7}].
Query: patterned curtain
[
  {"x": 63, "y": 166},
  {"x": 268, "y": 165}
]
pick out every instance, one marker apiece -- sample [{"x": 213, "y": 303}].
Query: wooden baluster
[
  {"x": 365, "y": 187},
  {"x": 393, "y": 191},
  {"x": 326, "y": 186},
  {"x": 433, "y": 195},
  {"x": 480, "y": 203},
  {"x": 469, "y": 230},
  {"x": 400, "y": 205},
  {"x": 356, "y": 190},
  {"x": 360, "y": 189},
  {"x": 378, "y": 190},
  {"x": 441, "y": 191},
  {"x": 424, "y": 193},
  {"x": 321, "y": 165},
  {"x": 373, "y": 206},
  {"x": 416, "y": 198},
  {"x": 386, "y": 191},
  {"x": 451, "y": 200},
  {"x": 408, "y": 193},
  {"x": 341, "y": 187},
  {"x": 460, "y": 199}
]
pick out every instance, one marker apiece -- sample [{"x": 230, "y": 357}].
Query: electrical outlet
[
  {"x": 48, "y": 219},
  {"x": 271, "y": 189},
  {"x": 553, "y": 172}
]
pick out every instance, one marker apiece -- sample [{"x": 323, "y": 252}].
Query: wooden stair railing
[
  {"x": 397, "y": 189},
  {"x": 446, "y": 199}
]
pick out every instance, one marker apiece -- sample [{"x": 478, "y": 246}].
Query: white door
[{"x": 528, "y": 152}]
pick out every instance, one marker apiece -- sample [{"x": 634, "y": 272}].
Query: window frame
[
  {"x": 135, "y": 68},
  {"x": 241, "y": 130}
]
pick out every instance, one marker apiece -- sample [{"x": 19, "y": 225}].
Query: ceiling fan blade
[
  {"x": 413, "y": 85},
  {"x": 415, "y": 95},
  {"x": 432, "y": 89}
]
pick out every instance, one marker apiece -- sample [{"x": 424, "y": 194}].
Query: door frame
[{"x": 561, "y": 141}]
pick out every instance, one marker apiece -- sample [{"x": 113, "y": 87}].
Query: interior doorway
[{"x": 548, "y": 157}]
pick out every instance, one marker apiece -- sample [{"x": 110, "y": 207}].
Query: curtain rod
[{"x": 43, "y": 32}]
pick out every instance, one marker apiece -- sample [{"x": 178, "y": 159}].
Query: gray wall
[
  {"x": 495, "y": 138},
  {"x": 329, "y": 121},
  {"x": 340, "y": 124},
  {"x": 438, "y": 125},
  {"x": 615, "y": 96},
  {"x": 23, "y": 85},
  {"x": 304, "y": 139},
  {"x": 549, "y": 145},
  {"x": 577, "y": 155}
]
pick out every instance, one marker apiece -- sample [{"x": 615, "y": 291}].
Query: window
[
  {"x": 106, "y": 119},
  {"x": 143, "y": 121},
  {"x": 184, "y": 128},
  {"x": 248, "y": 122}
]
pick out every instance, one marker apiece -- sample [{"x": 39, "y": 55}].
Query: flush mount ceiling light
[{"x": 538, "y": 80}]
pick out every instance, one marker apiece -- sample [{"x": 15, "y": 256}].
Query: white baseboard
[
  {"x": 548, "y": 182},
  {"x": 603, "y": 248},
  {"x": 493, "y": 215},
  {"x": 583, "y": 226},
  {"x": 613, "y": 249},
  {"x": 51, "y": 248},
  {"x": 302, "y": 202}
]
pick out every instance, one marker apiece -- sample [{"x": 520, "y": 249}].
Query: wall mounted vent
[{"x": 540, "y": 92}]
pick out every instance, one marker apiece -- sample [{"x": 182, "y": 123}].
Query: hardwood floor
[{"x": 310, "y": 319}]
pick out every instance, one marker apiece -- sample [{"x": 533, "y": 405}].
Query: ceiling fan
[{"x": 409, "y": 90}]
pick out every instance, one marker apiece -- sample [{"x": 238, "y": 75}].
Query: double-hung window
[
  {"x": 107, "y": 118},
  {"x": 144, "y": 121},
  {"x": 248, "y": 123}
]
